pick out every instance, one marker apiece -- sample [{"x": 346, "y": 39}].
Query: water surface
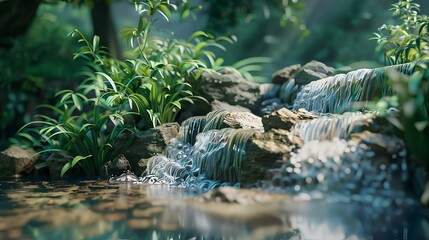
[{"x": 92, "y": 209}]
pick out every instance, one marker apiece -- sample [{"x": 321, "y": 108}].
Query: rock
[
  {"x": 124, "y": 177},
  {"x": 383, "y": 145},
  {"x": 116, "y": 166},
  {"x": 263, "y": 151},
  {"x": 244, "y": 120},
  {"x": 285, "y": 119},
  {"x": 146, "y": 144},
  {"x": 218, "y": 105},
  {"x": 285, "y": 74},
  {"x": 57, "y": 160},
  {"x": 242, "y": 196},
  {"x": 16, "y": 160},
  {"x": 312, "y": 71},
  {"x": 269, "y": 90},
  {"x": 231, "y": 88}
]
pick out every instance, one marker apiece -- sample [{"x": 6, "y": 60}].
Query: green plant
[
  {"x": 157, "y": 77},
  {"x": 408, "y": 41},
  {"x": 79, "y": 130},
  {"x": 412, "y": 97},
  {"x": 152, "y": 84}
]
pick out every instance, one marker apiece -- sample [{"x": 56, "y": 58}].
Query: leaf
[
  {"x": 95, "y": 43},
  {"x": 197, "y": 34},
  {"x": 77, "y": 102},
  {"x": 110, "y": 80},
  {"x": 72, "y": 163},
  {"x": 165, "y": 12}
]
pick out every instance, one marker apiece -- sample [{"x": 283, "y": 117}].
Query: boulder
[
  {"x": 263, "y": 151},
  {"x": 244, "y": 120},
  {"x": 218, "y": 105},
  {"x": 57, "y": 160},
  {"x": 285, "y": 74},
  {"x": 230, "y": 87},
  {"x": 146, "y": 144},
  {"x": 383, "y": 145},
  {"x": 312, "y": 71},
  {"x": 285, "y": 118},
  {"x": 116, "y": 166},
  {"x": 16, "y": 160}
]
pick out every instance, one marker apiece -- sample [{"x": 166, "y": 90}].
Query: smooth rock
[
  {"x": 312, "y": 71},
  {"x": 285, "y": 74},
  {"x": 242, "y": 196},
  {"x": 116, "y": 166},
  {"x": 285, "y": 118},
  {"x": 56, "y": 162},
  {"x": 231, "y": 88},
  {"x": 263, "y": 150},
  {"x": 218, "y": 105},
  {"x": 243, "y": 120},
  {"x": 382, "y": 144},
  {"x": 146, "y": 144},
  {"x": 16, "y": 160}
]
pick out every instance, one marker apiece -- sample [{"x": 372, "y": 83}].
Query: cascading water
[
  {"x": 330, "y": 127},
  {"x": 208, "y": 154},
  {"x": 336, "y": 94},
  {"x": 204, "y": 158}
]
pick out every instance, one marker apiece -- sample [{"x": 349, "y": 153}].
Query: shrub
[
  {"x": 152, "y": 83},
  {"x": 408, "y": 41}
]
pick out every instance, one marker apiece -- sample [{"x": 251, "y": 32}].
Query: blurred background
[{"x": 36, "y": 55}]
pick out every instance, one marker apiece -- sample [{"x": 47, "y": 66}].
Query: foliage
[
  {"x": 83, "y": 133},
  {"x": 412, "y": 97},
  {"x": 408, "y": 41},
  {"x": 152, "y": 83}
]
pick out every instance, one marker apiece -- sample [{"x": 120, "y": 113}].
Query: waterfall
[
  {"x": 191, "y": 127},
  {"x": 207, "y": 155},
  {"x": 332, "y": 126},
  {"x": 337, "y": 93}
]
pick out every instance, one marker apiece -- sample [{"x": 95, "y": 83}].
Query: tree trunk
[
  {"x": 16, "y": 17},
  {"x": 104, "y": 27}
]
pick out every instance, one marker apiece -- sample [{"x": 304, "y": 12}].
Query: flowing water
[
  {"x": 334, "y": 187},
  {"x": 101, "y": 210}
]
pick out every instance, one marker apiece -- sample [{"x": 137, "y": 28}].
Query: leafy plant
[
  {"x": 408, "y": 41},
  {"x": 412, "y": 97},
  {"x": 152, "y": 83},
  {"x": 86, "y": 136}
]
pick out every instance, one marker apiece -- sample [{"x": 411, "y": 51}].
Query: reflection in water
[{"x": 101, "y": 210}]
